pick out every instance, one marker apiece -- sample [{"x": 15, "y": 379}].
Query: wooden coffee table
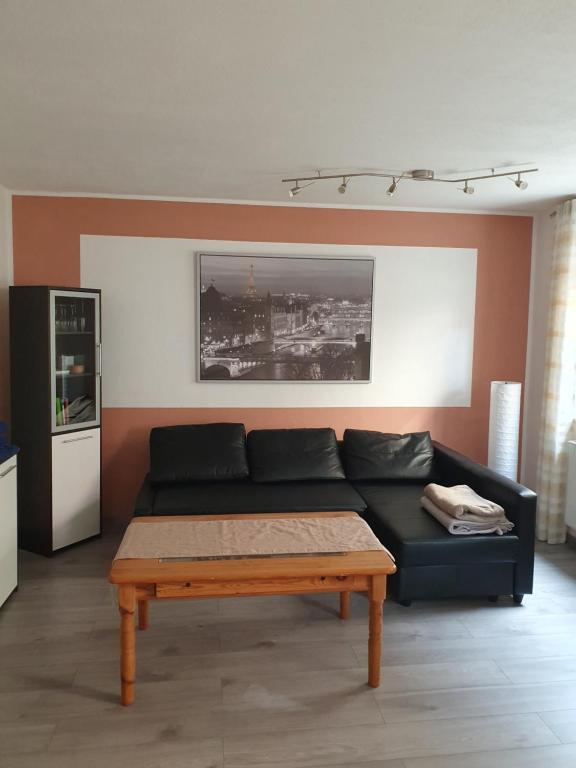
[{"x": 141, "y": 580}]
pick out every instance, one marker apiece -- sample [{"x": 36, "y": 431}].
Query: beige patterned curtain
[{"x": 559, "y": 408}]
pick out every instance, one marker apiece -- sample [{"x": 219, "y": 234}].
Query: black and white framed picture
[{"x": 284, "y": 318}]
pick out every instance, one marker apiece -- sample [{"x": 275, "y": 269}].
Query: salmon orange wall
[{"x": 46, "y": 237}]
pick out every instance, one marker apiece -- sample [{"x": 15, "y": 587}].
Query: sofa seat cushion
[
  {"x": 246, "y": 497},
  {"x": 415, "y": 538}
]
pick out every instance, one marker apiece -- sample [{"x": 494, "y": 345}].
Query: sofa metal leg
[
  {"x": 405, "y": 603},
  {"x": 518, "y": 599},
  {"x": 493, "y": 598}
]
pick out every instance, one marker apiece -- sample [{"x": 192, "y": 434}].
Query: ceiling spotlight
[
  {"x": 392, "y": 188},
  {"x": 343, "y": 187},
  {"x": 297, "y": 188},
  {"x": 520, "y": 183},
  {"x": 467, "y": 189}
]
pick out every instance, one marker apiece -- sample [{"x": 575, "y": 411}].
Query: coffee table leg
[
  {"x": 344, "y": 605},
  {"x": 376, "y": 597},
  {"x": 127, "y": 606},
  {"x": 142, "y": 614}
]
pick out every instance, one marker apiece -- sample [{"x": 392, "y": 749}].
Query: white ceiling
[{"x": 221, "y": 98}]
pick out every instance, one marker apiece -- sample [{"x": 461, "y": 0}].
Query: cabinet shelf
[
  {"x": 72, "y": 375},
  {"x": 74, "y": 333}
]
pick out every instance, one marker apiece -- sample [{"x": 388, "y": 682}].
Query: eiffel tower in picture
[{"x": 251, "y": 291}]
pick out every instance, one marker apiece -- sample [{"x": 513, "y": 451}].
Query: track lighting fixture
[
  {"x": 296, "y": 189},
  {"x": 392, "y": 188},
  {"x": 422, "y": 174}
]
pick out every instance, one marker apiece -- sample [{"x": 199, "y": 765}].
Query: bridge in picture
[{"x": 239, "y": 361}]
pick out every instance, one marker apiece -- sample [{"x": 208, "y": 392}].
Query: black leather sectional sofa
[{"x": 217, "y": 469}]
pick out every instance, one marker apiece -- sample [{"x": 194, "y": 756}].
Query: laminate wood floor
[{"x": 281, "y": 682}]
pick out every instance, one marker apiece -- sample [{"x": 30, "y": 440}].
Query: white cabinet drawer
[
  {"x": 75, "y": 487},
  {"x": 8, "y": 528}
]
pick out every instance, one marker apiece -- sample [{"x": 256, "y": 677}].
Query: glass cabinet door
[{"x": 75, "y": 359}]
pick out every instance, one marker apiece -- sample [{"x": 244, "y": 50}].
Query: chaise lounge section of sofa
[{"x": 217, "y": 469}]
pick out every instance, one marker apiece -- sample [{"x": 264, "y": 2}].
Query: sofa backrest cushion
[
  {"x": 198, "y": 453},
  {"x": 372, "y": 455},
  {"x": 280, "y": 455}
]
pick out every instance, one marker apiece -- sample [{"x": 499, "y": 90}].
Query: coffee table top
[{"x": 277, "y": 566}]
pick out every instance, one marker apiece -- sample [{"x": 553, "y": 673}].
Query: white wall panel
[{"x": 424, "y": 304}]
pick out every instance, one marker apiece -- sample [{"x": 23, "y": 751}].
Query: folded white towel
[
  {"x": 460, "y": 527},
  {"x": 462, "y": 501}
]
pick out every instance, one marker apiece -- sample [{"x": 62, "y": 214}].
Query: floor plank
[
  {"x": 36, "y": 676},
  {"x": 101, "y": 697},
  {"x": 475, "y": 702},
  {"x": 413, "y": 650},
  {"x": 437, "y": 676},
  {"x": 131, "y": 726},
  {"x": 25, "y": 737},
  {"x": 540, "y": 670},
  {"x": 556, "y": 756},
  {"x": 308, "y": 657},
  {"x": 358, "y": 744},
  {"x": 563, "y": 724},
  {"x": 206, "y": 753}
]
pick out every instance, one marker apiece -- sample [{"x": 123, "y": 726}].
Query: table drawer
[{"x": 286, "y": 586}]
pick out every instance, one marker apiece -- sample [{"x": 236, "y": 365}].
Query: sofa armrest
[
  {"x": 519, "y": 503},
  {"x": 144, "y": 504}
]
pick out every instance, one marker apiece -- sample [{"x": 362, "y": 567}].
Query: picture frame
[{"x": 284, "y": 318}]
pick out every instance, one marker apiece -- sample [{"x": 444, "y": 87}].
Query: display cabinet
[
  {"x": 75, "y": 360},
  {"x": 56, "y": 372}
]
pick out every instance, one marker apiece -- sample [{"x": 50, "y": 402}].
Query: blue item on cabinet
[{"x": 6, "y": 450}]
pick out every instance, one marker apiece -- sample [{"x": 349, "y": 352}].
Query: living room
[{"x": 287, "y": 384}]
